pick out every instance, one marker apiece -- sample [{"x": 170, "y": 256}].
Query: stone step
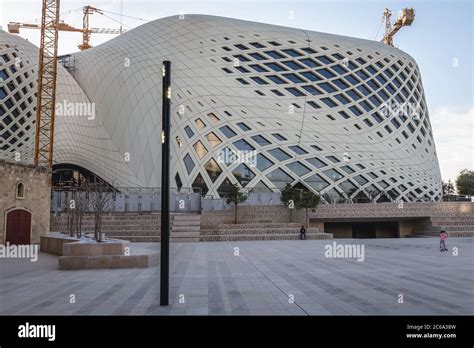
[
  {"x": 186, "y": 223},
  {"x": 185, "y": 234},
  {"x": 133, "y": 233},
  {"x": 252, "y": 225},
  {"x": 258, "y": 231},
  {"x": 244, "y": 237},
  {"x": 185, "y": 228},
  {"x": 184, "y": 240},
  {"x": 143, "y": 239},
  {"x": 458, "y": 228},
  {"x": 187, "y": 216},
  {"x": 418, "y": 236}
]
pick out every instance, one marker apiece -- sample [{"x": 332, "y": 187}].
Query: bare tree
[
  {"x": 82, "y": 200},
  {"x": 69, "y": 210},
  {"x": 101, "y": 199}
]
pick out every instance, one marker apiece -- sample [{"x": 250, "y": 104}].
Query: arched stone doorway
[{"x": 18, "y": 226}]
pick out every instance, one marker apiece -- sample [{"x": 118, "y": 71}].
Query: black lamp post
[{"x": 165, "y": 186}]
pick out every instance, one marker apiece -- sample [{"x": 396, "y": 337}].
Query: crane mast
[{"x": 46, "y": 96}]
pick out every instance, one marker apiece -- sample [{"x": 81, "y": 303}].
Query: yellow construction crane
[
  {"x": 14, "y": 27},
  {"x": 405, "y": 18},
  {"x": 46, "y": 96},
  {"x": 47, "y": 70}
]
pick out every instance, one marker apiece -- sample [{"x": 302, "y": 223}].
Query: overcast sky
[{"x": 440, "y": 40}]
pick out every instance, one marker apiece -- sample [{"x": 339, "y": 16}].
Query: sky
[{"x": 440, "y": 40}]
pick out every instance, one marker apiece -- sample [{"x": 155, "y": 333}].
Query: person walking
[
  {"x": 302, "y": 233},
  {"x": 442, "y": 241}
]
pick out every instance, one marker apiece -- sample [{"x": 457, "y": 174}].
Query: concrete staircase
[
  {"x": 185, "y": 228},
  {"x": 257, "y": 231},
  {"x": 191, "y": 228},
  {"x": 455, "y": 226},
  {"x": 131, "y": 227}
]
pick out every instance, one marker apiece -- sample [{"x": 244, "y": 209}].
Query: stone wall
[
  {"x": 343, "y": 211},
  {"x": 413, "y": 218},
  {"x": 37, "y": 196}
]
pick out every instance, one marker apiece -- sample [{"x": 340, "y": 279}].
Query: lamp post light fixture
[{"x": 165, "y": 185}]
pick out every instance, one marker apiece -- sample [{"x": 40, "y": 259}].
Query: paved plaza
[{"x": 256, "y": 278}]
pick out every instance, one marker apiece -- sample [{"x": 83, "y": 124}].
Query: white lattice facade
[{"x": 313, "y": 106}]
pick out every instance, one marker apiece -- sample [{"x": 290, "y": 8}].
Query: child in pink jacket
[{"x": 442, "y": 241}]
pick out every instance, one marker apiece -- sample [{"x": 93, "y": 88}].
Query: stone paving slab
[{"x": 265, "y": 278}]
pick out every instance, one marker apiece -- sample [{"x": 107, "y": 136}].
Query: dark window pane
[
  {"x": 327, "y": 87},
  {"x": 298, "y": 168},
  {"x": 279, "y": 154},
  {"x": 326, "y": 73},
  {"x": 243, "y": 174},
  {"x": 279, "y": 137},
  {"x": 189, "y": 131},
  {"x": 329, "y": 102},
  {"x": 311, "y": 89},
  {"x": 227, "y": 131},
  {"x": 298, "y": 150},
  {"x": 295, "y": 92},
  {"x": 316, "y": 162},
  {"x": 258, "y": 68},
  {"x": 257, "y": 56},
  {"x": 324, "y": 59},
  {"x": 259, "y": 80},
  {"x": 292, "y": 52},
  {"x": 332, "y": 174},
  {"x": 310, "y": 62},
  {"x": 293, "y": 65},
  {"x": 276, "y": 67},
  {"x": 188, "y": 162},
  {"x": 316, "y": 182},
  {"x": 243, "y": 126},
  {"x": 294, "y": 78},
  {"x": 279, "y": 178},
  {"x": 276, "y": 79},
  {"x": 274, "y": 54},
  {"x": 213, "y": 169},
  {"x": 310, "y": 76},
  {"x": 260, "y": 140},
  {"x": 199, "y": 185},
  {"x": 243, "y": 145},
  {"x": 263, "y": 162}
]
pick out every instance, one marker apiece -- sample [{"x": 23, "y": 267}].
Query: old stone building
[{"x": 25, "y": 195}]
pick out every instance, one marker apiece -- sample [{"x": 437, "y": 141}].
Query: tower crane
[
  {"x": 46, "y": 96},
  {"x": 47, "y": 71},
  {"x": 14, "y": 27},
  {"x": 405, "y": 18}
]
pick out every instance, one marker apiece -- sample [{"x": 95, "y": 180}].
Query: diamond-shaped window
[
  {"x": 298, "y": 168},
  {"x": 225, "y": 188},
  {"x": 279, "y": 154},
  {"x": 199, "y": 185},
  {"x": 200, "y": 149},
  {"x": 279, "y": 178},
  {"x": 213, "y": 169},
  {"x": 332, "y": 174},
  {"x": 213, "y": 139},
  {"x": 189, "y": 163},
  {"x": 316, "y": 182},
  {"x": 243, "y": 174}
]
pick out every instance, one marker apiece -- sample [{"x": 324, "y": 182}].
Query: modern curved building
[{"x": 253, "y": 104}]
